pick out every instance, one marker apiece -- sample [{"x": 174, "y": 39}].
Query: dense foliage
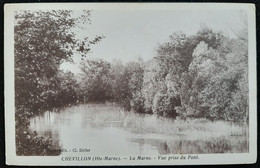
[
  {"x": 43, "y": 40},
  {"x": 96, "y": 80},
  {"x": 202, "y": 76},
  {"x": 198, "y": 76}
]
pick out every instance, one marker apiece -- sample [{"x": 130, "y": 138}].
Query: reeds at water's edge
[
  {"x": 148, "y": 123},
  {"x": 178, "y": 136}
]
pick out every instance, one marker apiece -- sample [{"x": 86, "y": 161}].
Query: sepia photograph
[{"x": 128, "y": 83}]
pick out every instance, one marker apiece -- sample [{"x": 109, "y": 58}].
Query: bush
[
  {"x": 137, "y": 103},
  {"x": 164, "y": 105},
  {"x": 29, "y": 144}
]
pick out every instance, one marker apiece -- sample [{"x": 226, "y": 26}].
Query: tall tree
[
  {"x": 97, "y": 80},
  {"x": 43, "y": 40}
]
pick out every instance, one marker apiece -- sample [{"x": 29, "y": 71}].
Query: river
[{"x": 103, "y": 130}]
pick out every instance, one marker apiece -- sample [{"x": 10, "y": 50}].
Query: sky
[{"x": 131, "y": 34}]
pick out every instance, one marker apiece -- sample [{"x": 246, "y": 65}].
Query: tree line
[{"x": 198, "y": 76}]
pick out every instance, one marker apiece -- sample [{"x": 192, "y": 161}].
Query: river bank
[{"x": 150, "y": 123}]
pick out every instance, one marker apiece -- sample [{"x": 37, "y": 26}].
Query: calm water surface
[{"x": 104, "y": 131}]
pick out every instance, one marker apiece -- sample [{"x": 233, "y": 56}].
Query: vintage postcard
[{"x": 130, "y": 83}]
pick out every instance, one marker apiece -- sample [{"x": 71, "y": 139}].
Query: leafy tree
[
  {"x": 164, "y": 103},
  {"x": 217, "y": 82},
  {"x": 151, "y": 84},
  {"x": 43, "y": 40},
  {"x": 127, "y": 82},
  {"x": 97, "y": 80},
  {"x": 202, "y": 75},
  {"x": 117, "y": 81},
  {"x": 173, "y": 58},
  {"x": 136, "y": 85},
  {"x": 67, "y": 90},
  {"x": 201, "y": 70},
  {"x": 228, "y": 89}
]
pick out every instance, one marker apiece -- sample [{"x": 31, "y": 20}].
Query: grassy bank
[{"x": 145, "y": 123}]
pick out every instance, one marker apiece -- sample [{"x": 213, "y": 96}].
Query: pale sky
[{"x": 131, "y": 34}]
